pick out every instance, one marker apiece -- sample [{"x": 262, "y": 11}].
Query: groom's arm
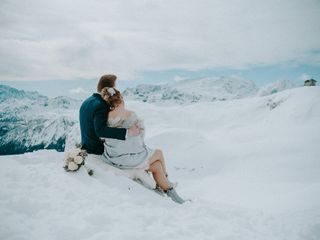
[{"x": 101, "y": 128}]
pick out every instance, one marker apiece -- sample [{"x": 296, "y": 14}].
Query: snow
[
  {"x": 30, "y": 121},
  {"x": 275, "y": 87},
  {"x": 194, "y": 90},
  {"x": 251, "y": 167}
]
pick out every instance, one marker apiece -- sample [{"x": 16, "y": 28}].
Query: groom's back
[{"x": 89, "y": 139}]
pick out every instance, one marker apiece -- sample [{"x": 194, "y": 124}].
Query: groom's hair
[{"x": 107, "y": 80}]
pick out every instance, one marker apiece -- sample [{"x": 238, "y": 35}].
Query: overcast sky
[{"x": 63, "y": 39}]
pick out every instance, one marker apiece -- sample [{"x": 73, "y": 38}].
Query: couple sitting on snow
[{"x": 108, "y": 128}]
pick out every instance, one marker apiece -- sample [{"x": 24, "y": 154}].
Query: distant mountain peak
[
  {"x": 7, "y": 93},
  {"x": 275, "y": 87},
  {"x": 194, "y": 90},
  {"x": 30, "y": 121}
]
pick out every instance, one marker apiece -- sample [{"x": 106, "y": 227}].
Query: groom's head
[{"x": 108, "y": 80}]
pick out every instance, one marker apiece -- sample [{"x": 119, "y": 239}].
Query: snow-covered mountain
[
  {"x": 30, "y": 121},
  {"x": 8, "y": 93},
  {"x": 208, "y": 89},
  {"x": 275, "y": 87},
  {"x": 194, "y": 90},
  {"x": 251, "y": 167}
]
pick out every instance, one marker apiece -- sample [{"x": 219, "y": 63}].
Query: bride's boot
[
  {"x": 159, "y": 191},
  {"x": 171, "y": 192}
]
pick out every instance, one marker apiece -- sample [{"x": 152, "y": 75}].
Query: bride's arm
[
  {"x": 102, "y": 130},
  {"x": 136, "y": 121}
]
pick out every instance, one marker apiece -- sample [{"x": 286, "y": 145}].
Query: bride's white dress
[{"x": 129, "y": 153}]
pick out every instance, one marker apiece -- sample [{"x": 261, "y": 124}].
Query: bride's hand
[{"x": 134, "y": 130}]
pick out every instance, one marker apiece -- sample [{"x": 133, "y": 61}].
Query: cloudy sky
[{"x": 173, "y": 39}]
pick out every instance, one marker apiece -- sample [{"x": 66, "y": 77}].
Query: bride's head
[{"x": 112, "y": 96}]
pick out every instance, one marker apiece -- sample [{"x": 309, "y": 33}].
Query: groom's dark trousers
[{"x": 93, "y": 124}]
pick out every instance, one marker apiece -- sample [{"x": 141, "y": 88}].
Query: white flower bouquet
[{"x": 74, "y": 159}]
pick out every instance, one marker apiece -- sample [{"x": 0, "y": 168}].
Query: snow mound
[{"x": 41, "y": 201}]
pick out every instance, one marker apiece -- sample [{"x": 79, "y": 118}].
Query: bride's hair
[{"x": 112, "y": 96}]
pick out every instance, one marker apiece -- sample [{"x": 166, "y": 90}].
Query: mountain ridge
[
  {"x": 30, "y": 121},
  {"x": 208, "y": 89}
]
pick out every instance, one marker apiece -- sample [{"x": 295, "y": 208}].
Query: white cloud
[{"x": 63, "y": 39}]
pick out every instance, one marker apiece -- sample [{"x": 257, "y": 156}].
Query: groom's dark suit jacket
[{"x": 93, "y": 124}]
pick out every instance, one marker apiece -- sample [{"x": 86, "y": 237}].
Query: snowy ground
[{"x": 250, "y": 166}]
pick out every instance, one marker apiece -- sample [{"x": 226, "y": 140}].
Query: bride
[{"x": 133, "y": 152}]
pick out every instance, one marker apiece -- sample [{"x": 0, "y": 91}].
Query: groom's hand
[{"x": 134, "y": 130}]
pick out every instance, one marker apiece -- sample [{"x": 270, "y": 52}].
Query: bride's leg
[
  {"x": 159, "y": 175},
  {"x": 158, "y": 156}
]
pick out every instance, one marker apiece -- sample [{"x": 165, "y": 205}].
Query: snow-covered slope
[
  {"x": 30, "y": 121},
  {"x": 251, "y": 167},
  {"x": 194, "y": 90},
  {"x": 275, "y": 87}
]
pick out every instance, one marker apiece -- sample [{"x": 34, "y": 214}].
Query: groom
[{"x": 93, "y": 120}]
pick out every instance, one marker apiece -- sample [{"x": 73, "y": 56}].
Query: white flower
[
  {"x": 66, "y": 156},
  {"x": 111, "y": 91},
  {"x": 78, "y": 160},
  {"x": 83, "y": 153},
  {"x": 76, "y": 151},
  {"x": 71, "y": 153},
  {"x": 74, "y": 158},
  {"x": 72, "y": 166}
]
